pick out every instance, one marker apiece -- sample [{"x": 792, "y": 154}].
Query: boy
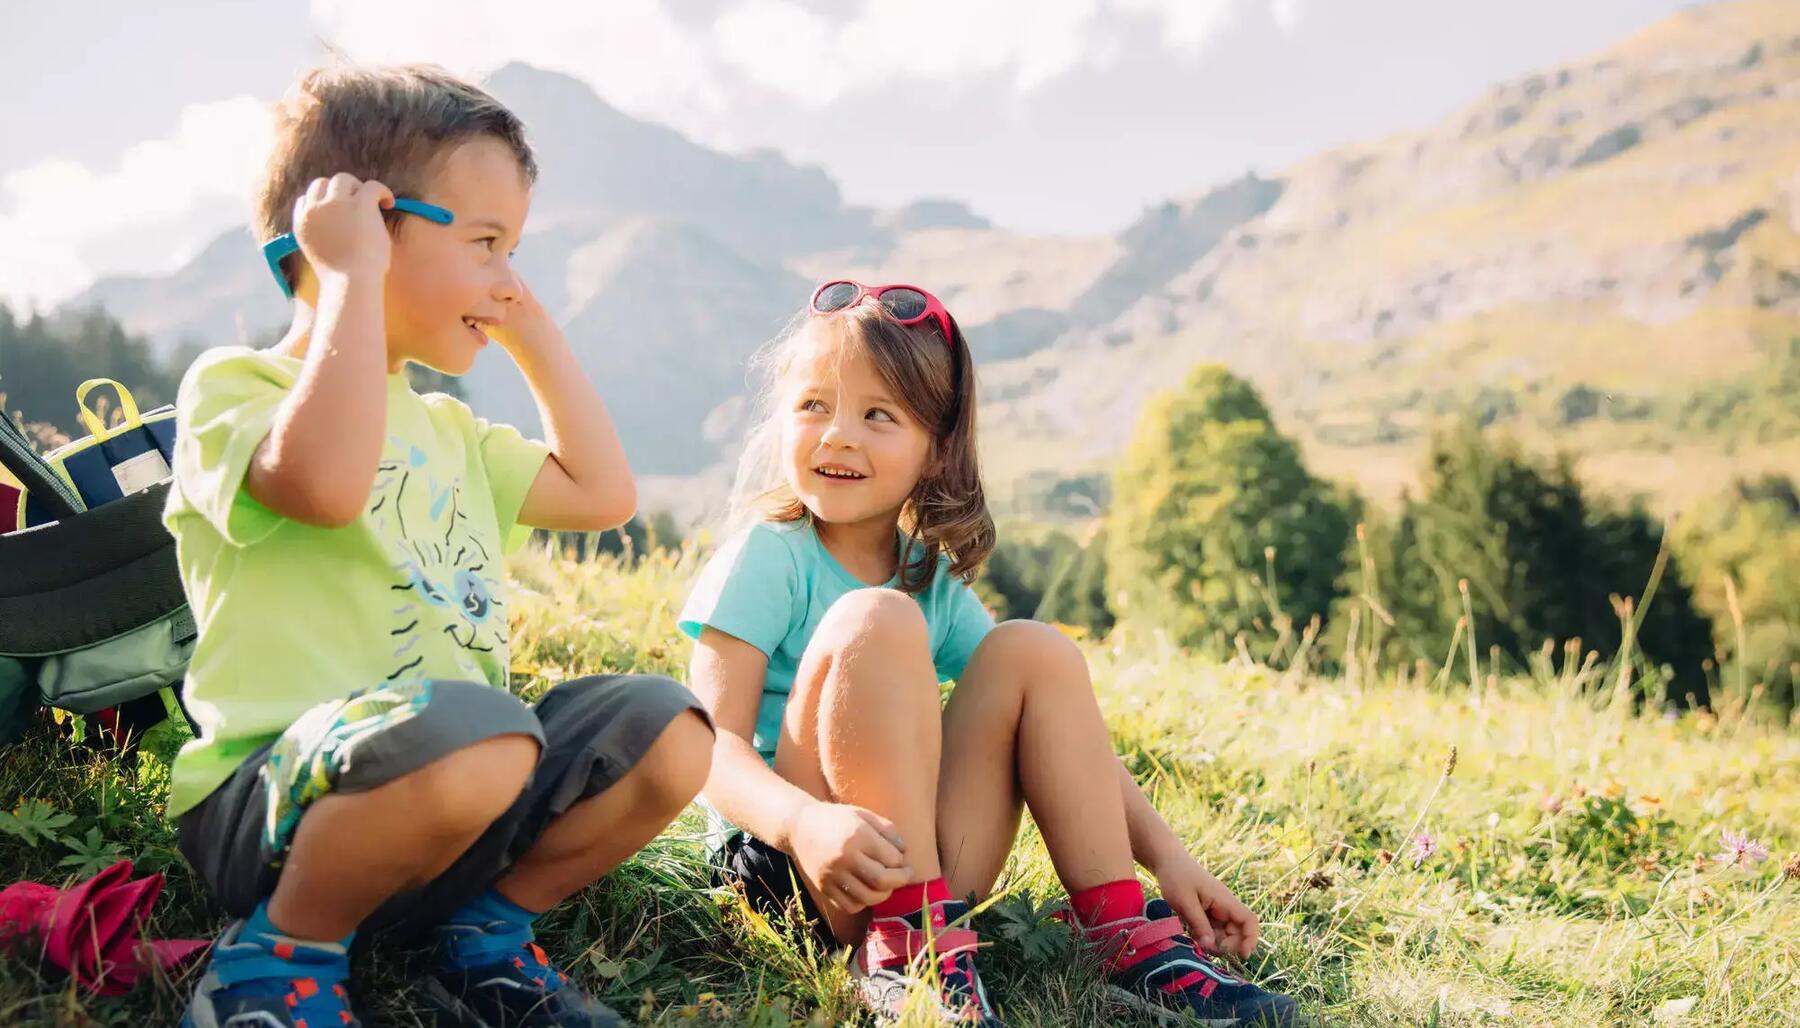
[{"x": 360, "y": 762}]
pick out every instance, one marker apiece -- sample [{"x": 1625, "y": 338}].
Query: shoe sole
[
  {"x": 1163, "y": 1015},
  {"x": 451, "y": 1010}
]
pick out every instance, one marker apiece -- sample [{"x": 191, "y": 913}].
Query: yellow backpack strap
[{"x": 91, "y": 420}]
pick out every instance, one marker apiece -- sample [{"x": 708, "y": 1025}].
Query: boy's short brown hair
[{"x": 385, "y": 123}]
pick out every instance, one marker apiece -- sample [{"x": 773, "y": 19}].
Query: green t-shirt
[
  {"x": 292, "y": 615},
  {"x": 771, "y": 586}
]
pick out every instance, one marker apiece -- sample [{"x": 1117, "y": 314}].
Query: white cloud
[
  {"x": 62, "y": 223},
  {"x": 633, "y": 52},
  {"x": 812, "y": 59},
  {"x": 1188, "y": 24},
  {"x": 642, "y": 59},
  {"x": 784, "y": 47},
  {"x": 1287, "y": 13}
]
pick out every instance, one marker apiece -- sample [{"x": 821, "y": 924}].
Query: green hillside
[{"x": 1572, "y": 878}]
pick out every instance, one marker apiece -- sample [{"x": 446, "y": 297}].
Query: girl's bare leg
[
  {"x": 862, "y": 727},
  {"x": 1023, "y": 728}
]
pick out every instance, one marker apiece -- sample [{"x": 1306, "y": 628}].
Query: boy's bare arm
[
  {"x": 586, "y": 485},
  {"x": 318, "y": 462}
]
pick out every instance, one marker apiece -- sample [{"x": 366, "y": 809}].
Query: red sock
[
  {"x": 910, "y": 899},
  {"x": 1116, "y": 901},
  {"x": 1112, "y": 901}
]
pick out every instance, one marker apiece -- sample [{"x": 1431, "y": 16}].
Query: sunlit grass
[{"x": 1573, "y": 879}]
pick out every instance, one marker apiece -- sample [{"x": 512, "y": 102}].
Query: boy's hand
[
  {"x": 1216, "y": 919},
  {"x": 855, "y": 856},
  {"x": 527, "y": 326},
  {"x": 339, "y": 227}
]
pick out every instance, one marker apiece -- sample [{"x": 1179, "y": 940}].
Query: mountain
[
  {"x": 663, "y": 259},
  {"x": 599, "y": 166},
  {"x": 225, "y": 295},
  {"x": 666, "y": 318},
  {"x": 1597, "y": 255},
  {"x": 1602, "y": 256}
]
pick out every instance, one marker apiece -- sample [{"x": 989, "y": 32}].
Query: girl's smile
[{"x": 840, "y": 473}]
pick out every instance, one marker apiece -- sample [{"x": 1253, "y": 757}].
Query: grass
[{"x": 1573, "y": 879}]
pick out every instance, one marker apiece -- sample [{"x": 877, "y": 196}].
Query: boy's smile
[{"x": 450, "y": 286}]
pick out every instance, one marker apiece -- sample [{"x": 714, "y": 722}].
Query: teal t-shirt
[{"x": 771, "y": 585}]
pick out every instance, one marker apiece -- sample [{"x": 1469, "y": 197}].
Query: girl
[{"x": 823, "y": 632}]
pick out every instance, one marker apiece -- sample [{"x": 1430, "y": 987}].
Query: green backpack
[{"x": 93, "y": 620}]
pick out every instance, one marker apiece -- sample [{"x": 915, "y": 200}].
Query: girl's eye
[
  {"x": 877, "y": 414},
  {"x": 489, "y": 241},
  {"x": 812, "y": 406}
]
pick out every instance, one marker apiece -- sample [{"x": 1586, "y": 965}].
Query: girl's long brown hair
[{"x": 947, "y": 513}]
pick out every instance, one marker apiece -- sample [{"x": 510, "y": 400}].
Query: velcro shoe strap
[
  {"x": 888, "y": 947},
  {"x": 1150, "y": 933}
]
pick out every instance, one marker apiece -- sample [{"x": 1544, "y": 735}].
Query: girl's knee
[
  {"x": 1025, "y": 637},
  {"x": 1035, "y": 650},
  {"x": 886, "y": 616}
]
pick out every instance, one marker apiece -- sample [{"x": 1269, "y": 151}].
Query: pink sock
[{"x": 1111, "y": 901}]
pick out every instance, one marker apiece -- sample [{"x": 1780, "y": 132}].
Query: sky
[{"x": 130, "y": 132}]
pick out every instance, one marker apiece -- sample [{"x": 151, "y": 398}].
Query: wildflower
[
  {"x": 1385, "y": 856},
  {"x": 1553, "y": 804},
  {"x": 1741, "y": 850},
  {"x": 1791, "y": 870},
  {"x": 1650, "y": 801},
  {"x": 1424, "y": 846},
  {"x": 1450, "y": 763}
]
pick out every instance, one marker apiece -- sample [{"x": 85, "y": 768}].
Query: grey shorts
[{"x": 591, "y": 730}]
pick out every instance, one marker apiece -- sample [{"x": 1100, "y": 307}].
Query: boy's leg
[
  {"x": 622, "y": 756},
  {"x": 359, "y": 799},
  {"x": 1022, "y": 726},
  {"x": 599, "y": 833},
  {"x": 355, "y": 850}
]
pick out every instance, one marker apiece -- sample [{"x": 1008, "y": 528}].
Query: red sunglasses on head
[{"x": 907, "y": 305}]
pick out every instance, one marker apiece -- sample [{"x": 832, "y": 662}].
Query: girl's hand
[
  {"x": 854, "y": 856},
  {"x": 1216, "y": 919},
  {"x": 338, "y": 224},
  {"x": 527, "y": 327}
]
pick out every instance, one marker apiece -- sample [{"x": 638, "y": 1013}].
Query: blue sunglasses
[{"x": 277, "y": 249}]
